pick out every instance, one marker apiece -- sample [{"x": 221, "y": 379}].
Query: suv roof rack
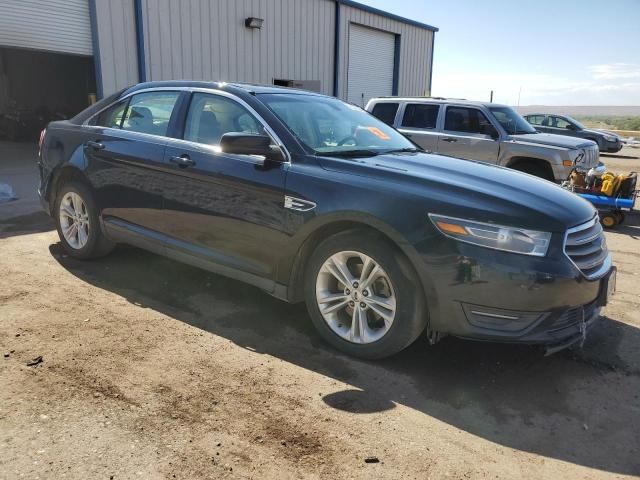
[{"x": 422, "y": 96}]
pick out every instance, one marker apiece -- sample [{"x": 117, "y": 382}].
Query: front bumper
[
  {"x": 490, "y": 295},
  {"x": 611, "y": 147}
]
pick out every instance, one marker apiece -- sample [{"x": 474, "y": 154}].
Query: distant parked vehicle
[
  {"x": 485, "y": 131},
  {"x": 564, "y": 125}
]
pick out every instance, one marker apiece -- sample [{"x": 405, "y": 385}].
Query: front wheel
[
  {"x": 363, "y": 295},
  {"x": 535, "y": 169},
  {"x": 78, "y": 224}
]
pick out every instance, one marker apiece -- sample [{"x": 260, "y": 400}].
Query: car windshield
[
  {"x": 332, "y": 127},
  {"x": 512, "y": 121},
  {"x": 576, "y": 123}
]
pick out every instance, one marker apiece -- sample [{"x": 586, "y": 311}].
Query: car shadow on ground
[
  {"x": 615, "y": 155},
  {"x": 25, "y": 224},
  {"x": 575, "y": 406}
]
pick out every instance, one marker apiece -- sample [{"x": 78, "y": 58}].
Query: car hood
[
  {"x": 552, "y": 140},
  {"x": 470, "y": 189},
  {"x": 600, "y": 132}
]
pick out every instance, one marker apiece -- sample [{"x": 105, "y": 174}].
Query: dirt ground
[{"x": 152, "y": 369}]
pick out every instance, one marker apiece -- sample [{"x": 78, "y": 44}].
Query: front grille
[
  {"x": 592, "y": 156},
  {"x": 586, "y": 246}
]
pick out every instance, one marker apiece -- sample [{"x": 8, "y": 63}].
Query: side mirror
[
  {"x": 239, "y": 143},
  {"x": 570, "y": 127}
]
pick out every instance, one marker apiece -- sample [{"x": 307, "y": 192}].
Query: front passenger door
[
  {"x": 467, "y": 133},
  {"x": 223, "y": 208}
]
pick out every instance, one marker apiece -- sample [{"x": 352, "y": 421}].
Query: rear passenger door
[
  {"x": 419, "y": 122},
  {"x": 467, "y": 133},
  {"x": 124, "y": 149}
]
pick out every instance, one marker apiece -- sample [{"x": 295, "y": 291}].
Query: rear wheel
[
  {"x": 363, "y": 295},
  {"x": 78, "y": 224}
]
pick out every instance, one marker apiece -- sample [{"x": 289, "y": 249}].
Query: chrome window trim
[
  {"x": 210, "y": 91},
  {"x": 607, "y": 262}
]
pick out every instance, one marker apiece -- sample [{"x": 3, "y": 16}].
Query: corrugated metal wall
[
  {"x": 53, "y": 25},
  {"x": 415, "y": 50},
  {"x": 207, "y": 39},
  {"x": 117, "y": 43}
]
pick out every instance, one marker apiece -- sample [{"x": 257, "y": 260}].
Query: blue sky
[{"x": 565, "y": 52}]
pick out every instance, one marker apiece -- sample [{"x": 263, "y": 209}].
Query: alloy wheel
[
  {"x": 355, "y": 297},
  {"x": 74, "y": 220}
]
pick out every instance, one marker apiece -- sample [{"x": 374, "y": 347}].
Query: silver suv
[{"x": 485, "y": 131}]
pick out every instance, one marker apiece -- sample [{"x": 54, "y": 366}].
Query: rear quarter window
[
  {"x": 386, "y": 112},
  {"x": 110, "y": 117}
]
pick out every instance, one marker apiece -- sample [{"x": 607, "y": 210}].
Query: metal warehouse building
[{"x": 55, "y": 53}]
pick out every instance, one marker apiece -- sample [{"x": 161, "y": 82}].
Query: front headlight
[
  {"x": 609, "y": 138},
  {"x": 498, "y": 237}
]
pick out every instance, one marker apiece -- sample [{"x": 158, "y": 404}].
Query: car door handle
[
  {"x": 183, "y": 161},
  {"x": 95, "y": 145},
  {"x": 449, "y": 139}
]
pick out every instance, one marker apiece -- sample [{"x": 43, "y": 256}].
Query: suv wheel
[
  {"x": 77, "y": 222},
  {"x": 536, "y": 169},
  {"x": 363, "y": 295}
]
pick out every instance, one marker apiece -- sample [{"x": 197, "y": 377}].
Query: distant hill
[{"x": 583, "y": 111}]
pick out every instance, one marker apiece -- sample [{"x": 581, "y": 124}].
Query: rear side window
[
  {"x": 150, "y": 112},
  {"x": 385, "y": 112},
  {"x": 418, "y": 115},
  {"x": 467, "y": 120},
  {"x": 110, "y": 117},
  {"x": 535, "y": 119},
  {"x": 211, "y": 116}
]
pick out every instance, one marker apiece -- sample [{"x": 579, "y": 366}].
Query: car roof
[
  {"x": 438, "y": 100},
  {"x": 228, "y": 86},
  {"x": 547, "y": 114}
]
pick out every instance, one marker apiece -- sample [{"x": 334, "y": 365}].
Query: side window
[
  {"x": 418, "y": 115},
  {"x": 110, "y": 117},
  {"x": 559, "y": 122},
  {"x": 535, "y": 119},
  {"x": 467, "y": 120},
  {"x": 385, "y": 112},
  {"x": 211, "y": 116},
  {"x": 150, "y": 112}
]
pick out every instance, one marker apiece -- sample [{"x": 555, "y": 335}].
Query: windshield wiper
[
  {"x": 406, "y": 149},
  {"x": 349, "y": 153}
]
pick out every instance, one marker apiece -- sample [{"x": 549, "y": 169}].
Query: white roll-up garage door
[
  {"x": 54, "y": 25},
  {"x": 371, "y": 59}
]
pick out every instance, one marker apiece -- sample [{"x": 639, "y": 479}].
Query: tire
[
  {"x": 92, "y": 243},
  {"x": 609, "y": 220},
  {"x": 535, "y": 169},
  {"x": 396, "y": 284},
  {"x": 597, "y": 142}
]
